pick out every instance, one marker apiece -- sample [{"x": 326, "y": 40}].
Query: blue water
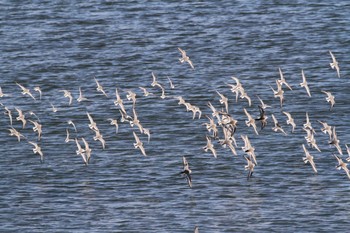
[{"x": 61, "y": 45}]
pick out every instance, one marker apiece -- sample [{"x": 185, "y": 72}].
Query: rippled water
[{"x": 60, "y": 45}]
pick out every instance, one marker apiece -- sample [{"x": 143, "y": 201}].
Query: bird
[
  {"x": 330, "y": 99},
  {"x": 87, "y": 150},
  {"x": 282, "y": 80},
  {"x": 334, "y": 64},
  {"x": 326, "y": 129},
  {"x": 335, "y": 141},
  {"x": 342, "y": 165},
  {"x": 250, "y": 121},
  {"x": 236, "y": 89},
  {"x": 228, "y": 140},
  {"x": 290, "y": 120},
  {"x": 223, "y": 100},
  {"x": 246, "y": 141},
  {"x": 310, "y": 139},
  {"x": 181, "y": 100},
  {"x": 211, "y": 126},
  {"x": 277, "y": 126},
  {"x": 37, "y": 128},
  {"x": 70, "y": 122},
  {"x": 186, "y": 171},
  {"x": 14, "y": 132},
  {"x": 309, "y": 158},
  {"x": 250, "y": 166},
  {"x": 124, "y": 116},
  {"x": 307, "y": 124},
  {"x": 244, "y": 95},
  {"x": 80, "y": 151},
  {"x": 148, "y": 133},
  {"x": 171, "y": 83},
  {"x": 25, "y": 91},
  {"x": 138, "y": 144},
  {"x": 228, "y": 122},
  {"x": 263, "y": 105},
  {"x": 135, "y": 121},
  {"x": 196, "y": 229},
  {"x": 262, "y": 118},
  {"x": 21, "y": 117},
  {"x": 163, "y": 96},
  {"x": 81, "y": 97},
  {"x": 154, "y": 80},
  {"x": 92, "y": 124},
  {"x": 98, "y": 136},
  {"x": 249, "y": 149},
  {"x": 115, "y": 123},
  {"x": 67, "y": 137},
  {"x": 348, "y": 151},
  {"x": 305, "y": 84},
  {"x": 119, "y": 101},
  {"x": 185, "y": 58},
  {"x": 33, "y": 114},
  {"x": 279, "y": 93},
  {"x": 145, "y": 91},
  {"x": 8, "y": 113},
  {"x": 210, "y": 147},
  {"x": 195, "y": 110},
  {"x": 54, "y": 109},
  {"x": 215, "y": 113},
  {"x": 131, "y": 96},
  {"x": 68, "y": 95},
  {"x": 37, "y": 89},
  {"x": 37, "y": 150},
  {"x": 2, "y": 94},
  {"x": 99, "y": 87},
  {"x": 188, "y": 106}
]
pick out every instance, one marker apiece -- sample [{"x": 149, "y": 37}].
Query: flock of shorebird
[
  {"x": 221, "y": 119},
  {"x": 221, "y": 125}
]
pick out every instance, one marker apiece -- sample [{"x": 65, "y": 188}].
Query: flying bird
[
  {"x": 185, "y": 58},
  {"x": 139, "y": 144},
  {"x": 262, "y": 118},
  {"x": 334, "y": 64},
  {"x": 14, "y": 132},
  {"x": 187, "y": 171},
  {"x": 290, "y": 120},
  {"x": 223, "y": 100},
  {"x": 277, "y": 126},
  {"x": 282, "y": 80},
  {"x": 263, "y": 105},
  {"x": 305, "y": 84},
  {"x": 8, "y": 113},
  {"x": 25, "y": 91},
  {"x": 250, "y": 166},
  {"x": 342, "y": 165},
  {"x": 210, "y": 147},
  {"x": 99, "y": 87},
  {"x": 250, "y": 121},
  {"x": 309, "y": 159},
  {"x": 278, "y": 93},
  {"x": 81, "y": 97},
  {"x": 37, "y": 89},
  {"x": 68, "y": 95},
  {"x": 21, "y": 117},
  {"x": 87, "y": 151},
  {"x": 37, "y": 150},
  {"x": 80, "y": 151},
  {"x": 330, "y": 99},
  {"x": 2, "y": 94},
  {"x": 171, "y": 83}
]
